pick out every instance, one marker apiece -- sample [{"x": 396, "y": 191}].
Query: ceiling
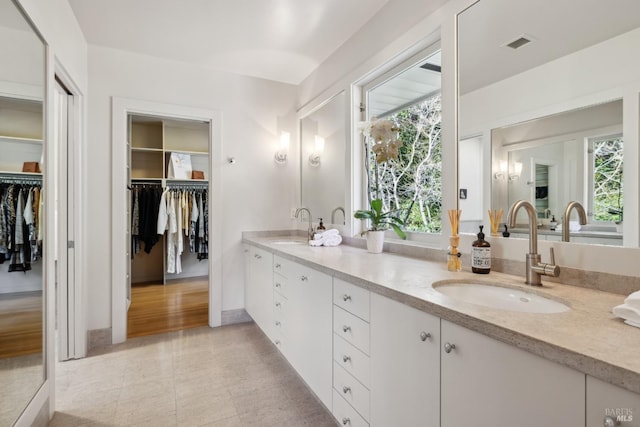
[
  {"x": 557, "y": 28},
  {"x": 281, "y": 40}
]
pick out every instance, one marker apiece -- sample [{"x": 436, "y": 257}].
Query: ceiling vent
[{"x": 520, "y": 41}]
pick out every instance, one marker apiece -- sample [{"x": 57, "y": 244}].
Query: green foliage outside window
[
  {"x": 608, "y": 199},
  {"x": 412, "y": 184}
]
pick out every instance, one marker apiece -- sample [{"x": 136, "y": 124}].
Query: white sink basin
[
  {"x": 288, "y": 242},
  {"x": 501, "y": 298}
]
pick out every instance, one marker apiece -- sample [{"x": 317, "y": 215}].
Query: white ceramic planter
[{"x": 375, "y": 241}]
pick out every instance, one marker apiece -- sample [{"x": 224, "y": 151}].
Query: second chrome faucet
[{"x": 535, "y": 268}]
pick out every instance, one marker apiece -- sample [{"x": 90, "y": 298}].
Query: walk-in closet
[{"x": 169, "y": 214}]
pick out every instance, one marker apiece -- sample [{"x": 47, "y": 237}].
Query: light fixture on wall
[
  {"x": 515, "y": 170},
  {"x": 283, "y": 149},
  {"x": 314, "y": 157},
  {"x": 502, "y": 170}
]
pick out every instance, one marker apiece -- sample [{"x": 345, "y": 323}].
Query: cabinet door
[
  {"x": 310, "y": 310},
  {"x": 487, "y": 383},
  {"x": 405, "y": 365},
  {"x": 606, "y": 400},
  {"x": 258, "y": 298}
]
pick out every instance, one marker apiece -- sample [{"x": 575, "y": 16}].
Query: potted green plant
[{"x": 385, "y": 146}]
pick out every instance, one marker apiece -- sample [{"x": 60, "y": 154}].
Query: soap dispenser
[
  {"x": 481, "y": 255},
  {"x": 553, "y": 224},
  {"x": 321, "y": 226}
]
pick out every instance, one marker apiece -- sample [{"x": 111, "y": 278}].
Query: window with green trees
[
  {"x": 411, "y": 183},
  {"x": 608, "y": 201}
]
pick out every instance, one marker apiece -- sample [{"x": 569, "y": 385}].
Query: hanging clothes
[
  {"x": 19, "y": 228},
  {"x": 145, "y": 202}
]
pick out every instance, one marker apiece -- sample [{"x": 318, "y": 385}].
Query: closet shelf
[
  {"x": 147, "y": 150},
  {"x": 196, "y": 153},
  {"x": 7, "y": 138}
]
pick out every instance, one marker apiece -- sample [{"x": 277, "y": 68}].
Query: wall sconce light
[
  {"x": 314, "y": 158},
  {"x": 281, "y": 154},
  {"x": 515, "y": 171},
  {"x": 502, "y": 170}
]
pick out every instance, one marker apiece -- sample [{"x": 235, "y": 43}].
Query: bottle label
[{"x": 481, "y": 257}]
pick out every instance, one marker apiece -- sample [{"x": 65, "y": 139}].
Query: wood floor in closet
[
  {"x": 20, "y": 324},
  {"x": 158, "y": 308}
]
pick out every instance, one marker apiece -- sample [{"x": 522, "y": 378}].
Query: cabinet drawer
[
  {"x": 279, "y": 306},
  {"x": 353, "y": 329},
  {"x": 352, "y": 360},
  {"x": 283, "y": 266},
  {"x": 351, "y": 390},
  {"x": 352, "y": 298},
  {"x": 345, "y": 414},
  {"x": 281, "y": 285}
]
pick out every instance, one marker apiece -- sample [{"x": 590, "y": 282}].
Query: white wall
[{"x": 257, "y": 193}]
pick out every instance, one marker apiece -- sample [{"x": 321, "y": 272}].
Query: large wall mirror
[
  {"x": 22, "y": 76},
  {"x": 322, "y": 161},
  {"x": 543, "y": 89}
]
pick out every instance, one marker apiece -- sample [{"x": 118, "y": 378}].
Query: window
[
  {"x": 412, "y": 183},
  {"x": 607, "y": 202}
]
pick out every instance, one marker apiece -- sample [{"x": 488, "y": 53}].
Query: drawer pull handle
[
  {"x": 346, "y": 421},
  {"x": 304, "y": 278},
  {"x": 277, "y": 265},
  {"x": 346, "y": 389},
  {"x": 346, "y": 359},
  {"x": 448, "y": 347},
  {"x": 424, "y": 335},
  {"x": 278, "y": 304},
  {"x": 346, "y": 328},
  {"x": 277, "y": 284},
  {"x": 346, "y": 297},
  {"x": 277, "y": 323},
  {"x": 258, "y": 256}
]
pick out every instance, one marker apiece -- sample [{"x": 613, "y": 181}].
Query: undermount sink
[
  {"x": 287, "y": 242},
  {"x": 495, "y": 296}
]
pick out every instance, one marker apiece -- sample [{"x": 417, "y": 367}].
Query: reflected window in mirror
[
  {"x": 411, "y": 182},
  {"x": 605, "y": 173}
]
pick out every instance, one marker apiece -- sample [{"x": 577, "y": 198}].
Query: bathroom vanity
[{"x": 380, "y": 345}]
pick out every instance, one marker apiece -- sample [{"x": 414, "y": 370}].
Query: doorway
[
  {"x": 122, "y": 110},
  {"x": 70, "y": 330},
  {"x": 169, "y": 214}
]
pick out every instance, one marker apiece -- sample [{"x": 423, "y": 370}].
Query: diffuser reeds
[
  {"x": 495, "y": 216},
  {"x": 453, "y": 258}
]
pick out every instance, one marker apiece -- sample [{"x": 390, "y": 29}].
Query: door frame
[
  {"x": 121, "y": 108},
  {"x": 76, "y": 303}
]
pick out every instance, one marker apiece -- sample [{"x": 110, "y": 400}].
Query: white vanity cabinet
[
  {"x": 302, "y": 322},
  {"x": 258, "y": 293},
  {"x": 488, "y": 383},
  {"x": 608, "y": 405},
  {"x": 405, "y": 365}
]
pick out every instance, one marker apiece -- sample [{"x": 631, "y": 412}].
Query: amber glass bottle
[{"x": 481, "y": 255}]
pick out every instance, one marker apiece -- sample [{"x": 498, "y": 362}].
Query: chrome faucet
[
  {"x": 567, "y": 216},
  {"x": 535, "y": 269},
  {"x": 333, "y": 212},
  {"x": 310, "y": 231}
]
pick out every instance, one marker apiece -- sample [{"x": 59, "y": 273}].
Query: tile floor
[{"x": 223, "y": 377}]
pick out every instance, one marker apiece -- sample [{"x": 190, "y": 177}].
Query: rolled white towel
[
  {"x": 316, "y": 242},
  {"x": 633, "y": 300},
  {"x": 334, "y": 240},
  {"x": 326, "y": 233},
  {"x": 574, "y": 226},
  {"x": 627, "y": 312}
]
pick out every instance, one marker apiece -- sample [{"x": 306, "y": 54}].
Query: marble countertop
[{"x": 587, "y": 338}]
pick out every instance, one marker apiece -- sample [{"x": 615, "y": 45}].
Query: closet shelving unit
[{"x": 152, "y": 140}]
